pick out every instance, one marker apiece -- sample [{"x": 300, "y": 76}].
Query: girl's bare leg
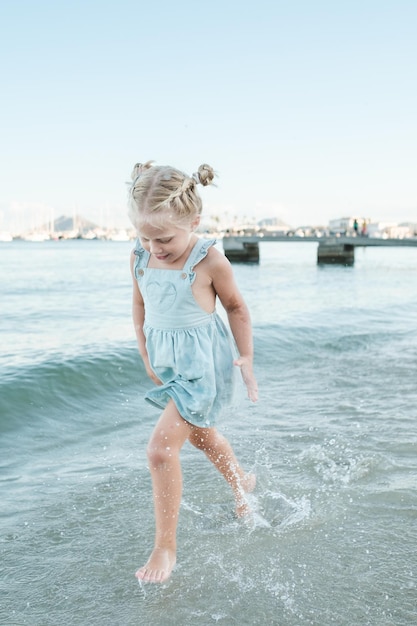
[
  {"x": 163, "y": 451},
  {"x": 219, "y": 451}
]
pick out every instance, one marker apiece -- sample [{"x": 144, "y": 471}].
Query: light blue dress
[{"x": 189, "y": 350}]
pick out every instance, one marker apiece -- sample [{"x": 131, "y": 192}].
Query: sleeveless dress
[{"x": 191, "y": 351}]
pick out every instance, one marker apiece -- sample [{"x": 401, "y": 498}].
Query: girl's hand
[
  {"x": 151, "y": 373},
  {"x": 153, "y": 377},
  {"x": 248, "y": 377}
]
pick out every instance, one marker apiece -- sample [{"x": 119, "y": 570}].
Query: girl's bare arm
[
  {"x": 138, "y": 315},
  {"x": 238, "y": 315}
]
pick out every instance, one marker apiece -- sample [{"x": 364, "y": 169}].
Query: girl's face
[{"x": 168, "y": 244}]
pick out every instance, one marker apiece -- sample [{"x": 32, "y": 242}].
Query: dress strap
[
  {"x": 142, "y": 257},
  {"x": 197, "y": 254}
]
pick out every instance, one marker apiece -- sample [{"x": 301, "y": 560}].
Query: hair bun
[
  {"x": 138, "y": 168},
  {"x": 205, "y": 174}
]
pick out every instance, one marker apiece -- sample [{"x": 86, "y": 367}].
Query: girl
[{"x": 186, "y": 348}]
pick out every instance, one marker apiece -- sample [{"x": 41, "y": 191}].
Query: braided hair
[{"x": 158, "y": 191}]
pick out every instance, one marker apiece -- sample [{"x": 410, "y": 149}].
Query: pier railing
[{"x": 331, "y": 249}]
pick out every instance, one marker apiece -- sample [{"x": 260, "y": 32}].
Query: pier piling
[
  {"x": 238, "y": 251},
  {"x": 335, "y": 254}
]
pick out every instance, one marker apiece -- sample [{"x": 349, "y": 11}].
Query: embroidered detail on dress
[{"x": 161, "y": 295}]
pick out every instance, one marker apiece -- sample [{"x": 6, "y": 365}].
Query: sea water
[{"x": 333, "y": 441}]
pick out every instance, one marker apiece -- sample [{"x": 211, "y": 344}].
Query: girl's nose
[{"x": 154, "y": 247}]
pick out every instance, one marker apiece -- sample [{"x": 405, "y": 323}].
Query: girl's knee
[{"x": 159, "y": 454}]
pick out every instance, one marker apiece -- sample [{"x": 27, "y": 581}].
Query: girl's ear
[{"x": 195, "y": 223}]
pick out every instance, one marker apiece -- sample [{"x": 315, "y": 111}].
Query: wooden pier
[{"x": 330, "y": 250}]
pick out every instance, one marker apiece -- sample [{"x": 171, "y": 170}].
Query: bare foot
[
  {"x": 242, "y": 507},
  {"x": 247, "y": 484},
  {"x": 159, "y": 566}
]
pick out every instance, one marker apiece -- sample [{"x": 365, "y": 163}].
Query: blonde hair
[{"x": 160, "y": 193}]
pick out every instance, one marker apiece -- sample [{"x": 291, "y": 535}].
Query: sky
[{"x": 305, "y": 109}]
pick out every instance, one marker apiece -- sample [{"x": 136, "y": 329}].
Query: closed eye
[{"x": 163, "y": 240}]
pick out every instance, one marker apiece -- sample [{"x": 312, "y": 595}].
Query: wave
[
  {"x": 67, "y": 382},
  {"x": 84, "y": 380},
  {"x": 291, "y": 343}
]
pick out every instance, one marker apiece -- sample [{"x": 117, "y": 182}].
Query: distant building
[
  {"x": 346, "y": 225},
  {"x": 389, "y": 230},
  {"x": 412, "y": 227},
  {"x": 361, "y": 226},
  {"x": 273, "y": 224}
]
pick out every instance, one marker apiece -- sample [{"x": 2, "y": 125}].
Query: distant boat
[
  {"x": 36, "y": 237},
  {"x": 91, "y": 235},
  {"x": 119, "y": 235}
]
